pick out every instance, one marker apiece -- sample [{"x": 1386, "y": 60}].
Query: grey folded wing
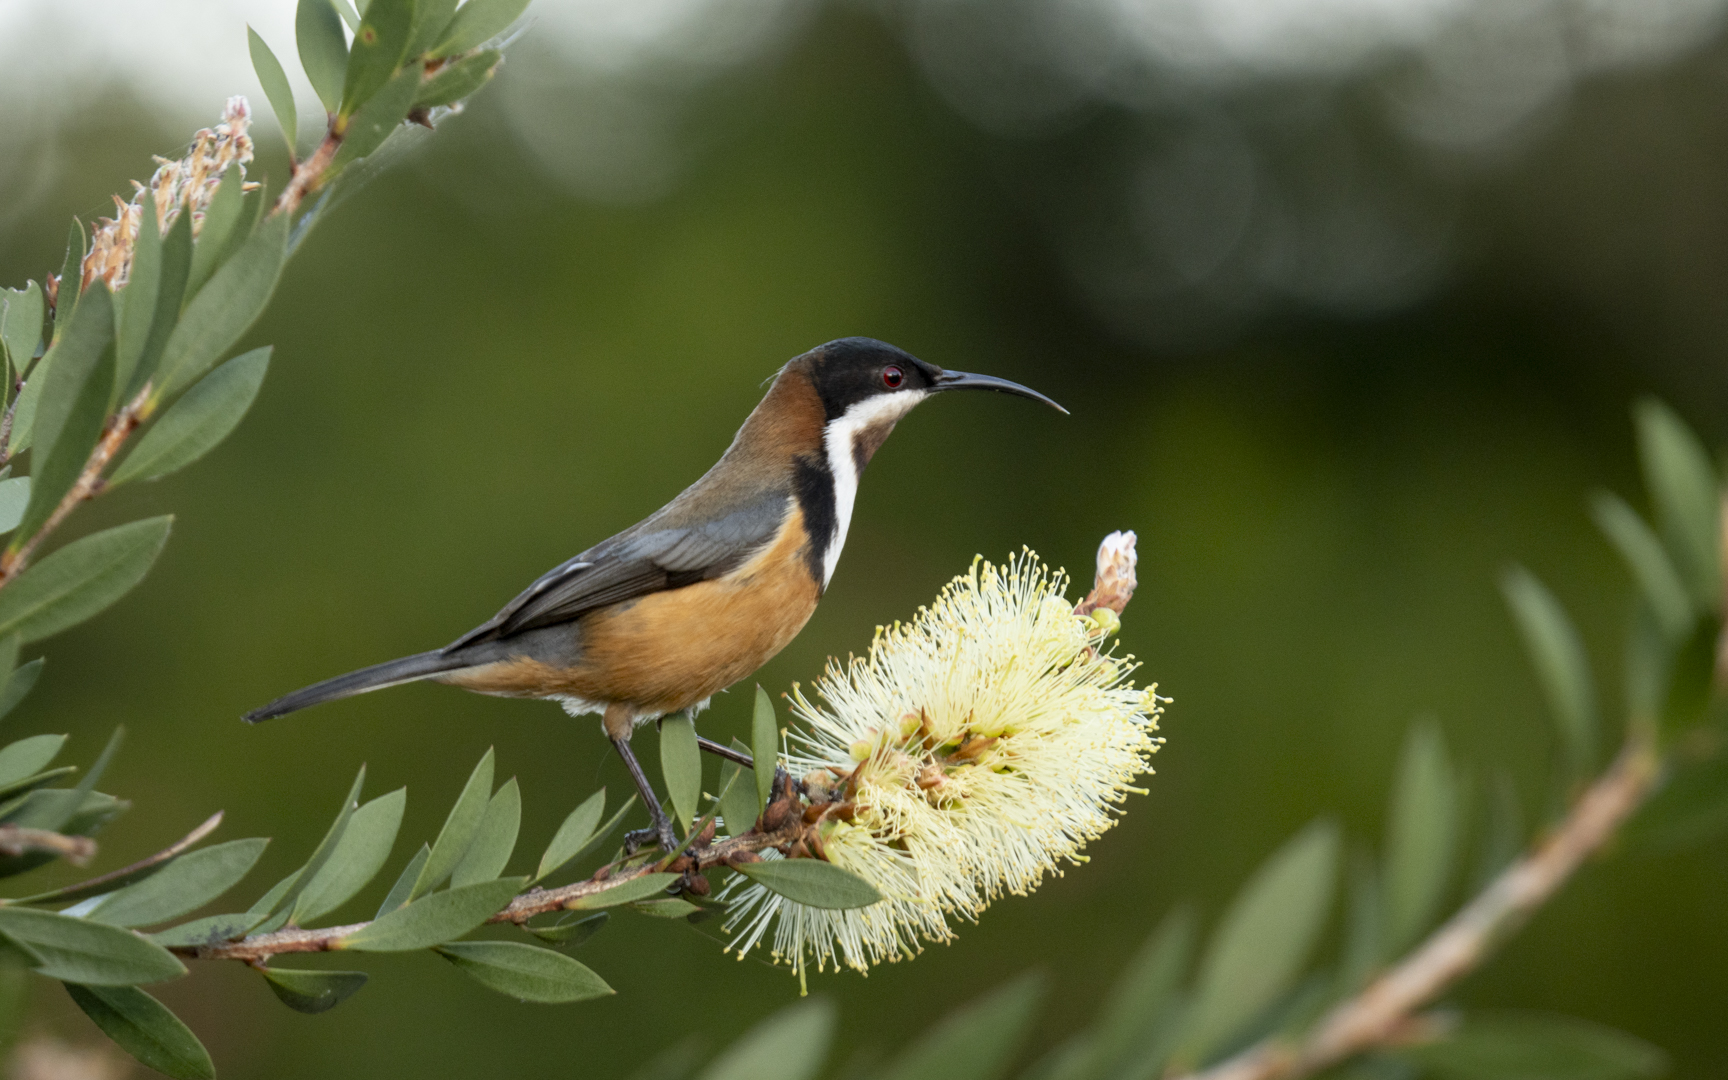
[{"x": 630, "y": 565}]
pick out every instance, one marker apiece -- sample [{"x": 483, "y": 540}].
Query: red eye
[{"x": 892, "y": 377}]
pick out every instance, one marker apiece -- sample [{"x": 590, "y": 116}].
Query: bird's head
[{"x": 866, "y": 386}]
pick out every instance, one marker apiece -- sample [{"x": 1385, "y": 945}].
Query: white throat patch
[{"x": 838, "y": 440}]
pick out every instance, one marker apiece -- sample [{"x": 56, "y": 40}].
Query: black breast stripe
[{"x": 813, "y": 486}]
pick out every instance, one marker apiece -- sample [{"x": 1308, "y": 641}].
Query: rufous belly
[{"x": 669, "y": 650}]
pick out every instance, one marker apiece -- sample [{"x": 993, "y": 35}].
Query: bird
[{"x": 701, "y": 593}]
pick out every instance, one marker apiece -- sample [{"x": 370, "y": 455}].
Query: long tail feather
[{"x": 377, "y": 677}]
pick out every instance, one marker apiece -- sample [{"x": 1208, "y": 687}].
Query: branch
[
  {"x": 1382, "y": 1014},
  {"x": 16, "y": 840},
  {"x": 258, "y": 948},
  {"x": 308, "y": 175},
  {"x": 89, "y": 484}
]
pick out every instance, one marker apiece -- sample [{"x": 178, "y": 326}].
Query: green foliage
[
  {"x": 75, "y": 378},
  {"x": 573, "y": 836},
  {"x": 789, "y": 1045},
  {"x": 813, "y": 883},
  {"x": 323, "y": 49},
  {"x": 738, "y": 805},
  {"x": 81, "y": 579},
  {"x": 222, "y": 231},
  {"x": 525, "y": 972},
  {"x": 435, "y": 919},
  {"x": 765, "y": 745},
  {"x": 642, "y": 887},
  {"x": 188, "y": 883},
  {"x": 1557, "y": 654},
  {"x": 194, "y": 425},
  {"x": 1517, "y": 1047},
  {"x": 92, "y": 953},
  {"x": 145, "y": 1029},
  {"x": 494, "y": 841},
  {"x": 1421, "y": 839},
  {"x": 314, "y": 991},
  {"x": 359, "y": 855},
  {"x": 376, "y": 120},
  {"x": 276, "y": 89},
  {"x": 380, "y": 46},
  {"x": 1686, "y": 493},
  {"x": 458, "y": 80},
  {"x": 459, "y": 829},
  {"x": 681, "y": 765},
  {"x": 975, "y": 1042},
  {"x": 224, "y": 308},
  {"x": 477, "y": 22}
]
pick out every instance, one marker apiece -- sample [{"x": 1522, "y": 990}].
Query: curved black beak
[{"x": 961, "y": 380}]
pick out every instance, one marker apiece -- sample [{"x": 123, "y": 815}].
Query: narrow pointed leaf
[
  {"x": 28, "y": 756},
  {"x": 92, "y": 953},
  {"x": 1143, "y": 996},
  {"x": 21, "y": 326},
  {"x": 126, "y": 875},
  {"x": 135, "y": 307},
  {"x": 19, "y": 684},
  {"x": 813, "y": 883},
  {"x": 477, "y": 22},
  {"x": 525, "y": 972},
  {"x": 380, "y": 44},
  {"x": 764, "y": 745},
  {"x": 495, "y": 840},
  {"x": 379, "y": 118},
  {"x": 290, "y": 900},
  {"x": 176, "y": 269},
  {"x": 1517, "y": 1046},
  {"x": 81, "y": 579},
  {"x": 403, "y": 890},
  {"x": 681, "y": 765},
  {"x": 225, "y": 307},
  {"x": 570, "y": 934},
  {"x": 272, "y": 899},
  {"x": 460, "y": 826},
  {"x": 458, "y": 80},
  {"x": 314, "y": 991},
  {"x": 573, "y": 835},
  {"x": 359, "y": 856},
  {"x": 1562, "y": 668},
  {"x": 976, "y": 1042},
  {"x": 275, "y": 83},
  {"x": 210, "y": 930},
  {"x": 194, "y": 425},
  {"x": 431, "y": 19},
  {"x": 790, "y": 1045},
  {"x": 62, "y": 459},
  {"x": 738, "y": 805},
  {"x": 1264, "y": 938},
  {"x": 77, "y": 350},
  {"x": 1421, "y": 838},
  {"x": 71, "y": 277},
  {"x": 188, "y": 883},
  {"x": 1684, "y": 487},
  {"x": 14, "y": 497},
  {"x": 323, "y": 49},
  {"x": 1647, "y": 559},
  {"x": 436, "y": 919},
  {"x": 35, "y": 780},
  {"x": 643, "y": 887},
  {"x": 218, "y": 236},
  {"x": 146, "y": 1029},
  {"x": 667, "y": 907}
]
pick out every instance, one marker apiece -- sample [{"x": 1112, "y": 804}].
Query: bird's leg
[
  {"x": 662, "y": 825},
  {"x": 726, "y": 752}
]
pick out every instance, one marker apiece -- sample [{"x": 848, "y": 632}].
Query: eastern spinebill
[{"x": 708, "y": 588}]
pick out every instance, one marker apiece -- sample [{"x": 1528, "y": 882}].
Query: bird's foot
[{"x": 660, "y": 832}]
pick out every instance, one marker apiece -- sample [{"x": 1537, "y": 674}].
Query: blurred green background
[{"x": 483, "y": 366}]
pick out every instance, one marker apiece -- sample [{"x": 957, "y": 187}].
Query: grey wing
[{"x": 631, "y": 565}]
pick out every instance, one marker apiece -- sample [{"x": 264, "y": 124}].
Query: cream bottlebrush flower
[
  {"x": 186, "y": 183},
  {"x": 969, "y": 754}
]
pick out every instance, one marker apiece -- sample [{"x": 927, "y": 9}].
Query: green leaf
[
  {"x": 1649, "y": 653},
  {"x": 359, "y": 856},
  {"x": 380, "y": 45},
  {"x": 1683, "y": 485},
  {"x": 525, "y": 972},
  {"x": 135, "y": 306},
  {"x": 975, "y": 1042},
  {"x": 186, "y": 884},
  {"x": 81, "y": 579},
  {"x": 1647, "y": 560},
  {"x": 458, "y": 80},
  {"x": 92, "y": 953},
  {"x": 1535, "y": 1047},
  {"x": 323, "y": 49},
  {"x": 210, "y": 930},
  {"x": 314, "y": 991},
  {"x": 1563, "y": 669},
  {"x": 813, "y": 883},
  {"x": 477, "y": 22},
  {"x": 275, "y": 83},
  {"x": 1143, "y": 997},
  {"x": 290, "y": 900},
  {"x": 62, "y": 460},
  {"x": 376, "y": 120},
  {"x": 1503, "y": 837},
  {"x": 669, "y": 907},
  {"x": 431, "y": 17},
  {"x": 21, "y": 325},
  {"x": 572, "y": 933},
  {"x": 14, "y": 497},
  {"x": 460, "y": 826},
  {"x": 403, "y": 890},
  {"x": 345, "y": 8},
  {"x": 144, "y": 1028},
  {"x": 495, "y": 840},
  {"x": 28, "y": 756},
  {"x": 126, "y": 875},
  {"x": 195, "y": 424},
  {"x": 19, "y": 684},
  {"x": 436, "y": 919},
  {"x": 790, "y": 1045},
  {"x": 220, "y": 234},
  {"x": 271, "y": 900},
  {"x": 35, "y": 780},
  {"x": 1691, "y": 806},
  {"x": 681, "y": 765},
  {"x": 641, "y": 887},
  {"x": 1264, "y": 939},
  {"x": 224, "y": 308},
  {"x": 573, "y": 836},
  {"x": 1691, "y": 677},
  {"x": 764, "y": 745},
  {"x": 1365, "y": 927},
  {"x": 738, "y": 805},
  {"x": 1421, "y": 838},
  {"x": 77, "y": 352},
  {"x": 71, "y": 277}
]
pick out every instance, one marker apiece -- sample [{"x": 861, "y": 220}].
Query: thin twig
[
  {"x": 17, "y": 840},
  {"x": 308, "y": 175},
  {"x": 1381, "y": 1015},
  {"x": 260, "y": 947},
  {"x": 89, "y": 484}
]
